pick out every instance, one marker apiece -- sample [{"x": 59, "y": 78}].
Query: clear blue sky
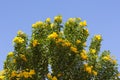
[{"x": 103, "y": 17}]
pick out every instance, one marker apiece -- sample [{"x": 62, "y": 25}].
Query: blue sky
[{"x": 103, "y": 17}]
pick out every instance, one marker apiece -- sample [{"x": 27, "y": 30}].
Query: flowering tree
[{"x": 63, "y": 47}]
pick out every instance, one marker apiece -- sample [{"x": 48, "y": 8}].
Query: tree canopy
[{"x": 58, "y": 51}]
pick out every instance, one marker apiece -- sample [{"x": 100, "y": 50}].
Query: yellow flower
[
  {"x": 107, "y": 58},
  {"x": 94, "y": 73},
  {"x": 2, "y": 77},
  {"x": 23, "y": 57},
  {"x": 114, "y": 61},
  {"x": 34, "y": 26},
  {"x": 48, "y": 20},
  {"x": 19, "y": 75},
  {"x": 83, "y": 56},
  {"x": 13, "y": 74},
  {"x": 18, "y": 40},
  {"x": 25, "y": 74},
  {"x": 58, "y": 19},
  {"x": 32, "y": 72},
  {"x": 71, "y": 20},
  {"x": 54, "y": 78},
  {"x": 78, "y": 41},
  {"x": 54, "y": 35},
  {"x": 98, "y": 37},
  {"x": 66, "y": 44},
  {"x": 39, "y": 23},
  {"x": 84, "y": 51},
  {"x": 35, "y": 43},
  {"x": 10, "y": 54},
  {"x": 86, "y": 30},
  {"x": 74, "y": 49},
  {"x": 59, "y": 40},
  {"x": 49, "y": 76},
  {"x": 20, "y": 32},
  {"x": 52, "y": 25},
  {"x": 85, "y": 65},
  {"x": 88, "y": 69},
  {"x": 84, "y": 23},
  {"x": 93, "y": 51}
]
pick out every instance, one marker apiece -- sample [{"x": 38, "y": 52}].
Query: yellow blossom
[
  {"x": 84, "y": 51},
  {"x": 71, "y": 20},
  {"x": 59, "y": 40},
  {"x": 98, "y": 37},
  {"x": 19, "y": 75},
  {"x": 34, "y": 26},
  {"x": 49, "y": 76},
  {"x": 18, "y": 40},
  {"x": 87, "y": 32},
  {"x": 85, "y": 64},
  {"x": 20, "y": 32},
  {"x": 58, "y": 19},
  {"x": 26, "y": 74},
  {"x": 52, "y": 25},
  {"x": 78, "y": 41},
  {"x": 39, "y": 23},
  {"x": 94, "y": 73},
  {"x": 66, "y": 44},
  {"x": 13, "y": 74},
  {"x": 10, "y": 54},
  {"x": 107, "y": 58},
  {"x": 114, "y": 61},
  {"x": 74, "y": 49},
  {"x": 84, "y": 23},
  {"x": 23, "y": 57},
  {"x": 54, "y": 78},
  {"x": 88, "y": 69},
  {"x": 93, "y": 51},
  {"x": 35, "y": 43},
  {"x": 32, "y": 72},
  {"x": 53, "y": 35},
  {"x": 83, "y": 56},
  {"x": 48, "y": 20},
  {"x": 2, "y": 77}
]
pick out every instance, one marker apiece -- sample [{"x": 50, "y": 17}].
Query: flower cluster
[
  {"x": 83, "y": 55},
  {"x": 35, "y": 43},
  {"x": 38, "y": 24},
  {"x": 58, "y": 19},
  {"x": 25, "y": 74},
  {"x": 54, "y": 35},
  {"x": 98, "y": 37},
  {"x": 84, "y": 23},
  {"x": 18, "y": 40},
  {"x": 2, "y": 75},
  {"x": 74, "y": 49},
  {"x": 50, "y": 77},
  {"x": 89, "y": 69}
]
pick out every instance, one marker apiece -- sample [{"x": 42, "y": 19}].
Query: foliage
[{"x": 63, "y": 47}]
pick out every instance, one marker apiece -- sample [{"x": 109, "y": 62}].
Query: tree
[{"x": 63, "y": 47}]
